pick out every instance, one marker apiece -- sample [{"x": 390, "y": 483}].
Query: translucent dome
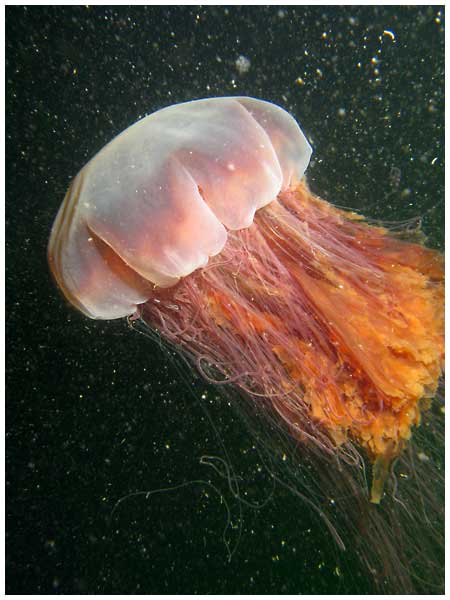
[{"x": 156, "y": 202}]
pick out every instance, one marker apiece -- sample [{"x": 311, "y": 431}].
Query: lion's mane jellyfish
[{"x": 198, "y": 221}]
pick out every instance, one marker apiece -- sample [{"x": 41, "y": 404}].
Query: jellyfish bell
[
  {"x": 198, "y": 219},
  {"x": 162, "y": 195}
]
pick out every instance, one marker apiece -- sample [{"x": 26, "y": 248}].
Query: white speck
[
  {"x": 242, "y": 64},
  {"x": 423, "y": 457},
  {"x": 231, "y": 167}
]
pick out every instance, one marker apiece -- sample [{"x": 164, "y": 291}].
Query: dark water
[{"x": 96, "y": 412}]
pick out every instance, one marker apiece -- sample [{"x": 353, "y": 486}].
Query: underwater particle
[
  {"x": 242, "y": 64},
  {"x": 390, "y": 34},
  {"x": 423, "y": 457},
  {"x": 395, "y": 176}
]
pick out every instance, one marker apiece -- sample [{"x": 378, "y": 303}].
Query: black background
[{"x": 96, "y": 412}]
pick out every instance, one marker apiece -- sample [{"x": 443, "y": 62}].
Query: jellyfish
[{"x": 198, "y": 221}]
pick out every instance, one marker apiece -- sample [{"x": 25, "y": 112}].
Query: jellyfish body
[{"x": 198, "y": 219}]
